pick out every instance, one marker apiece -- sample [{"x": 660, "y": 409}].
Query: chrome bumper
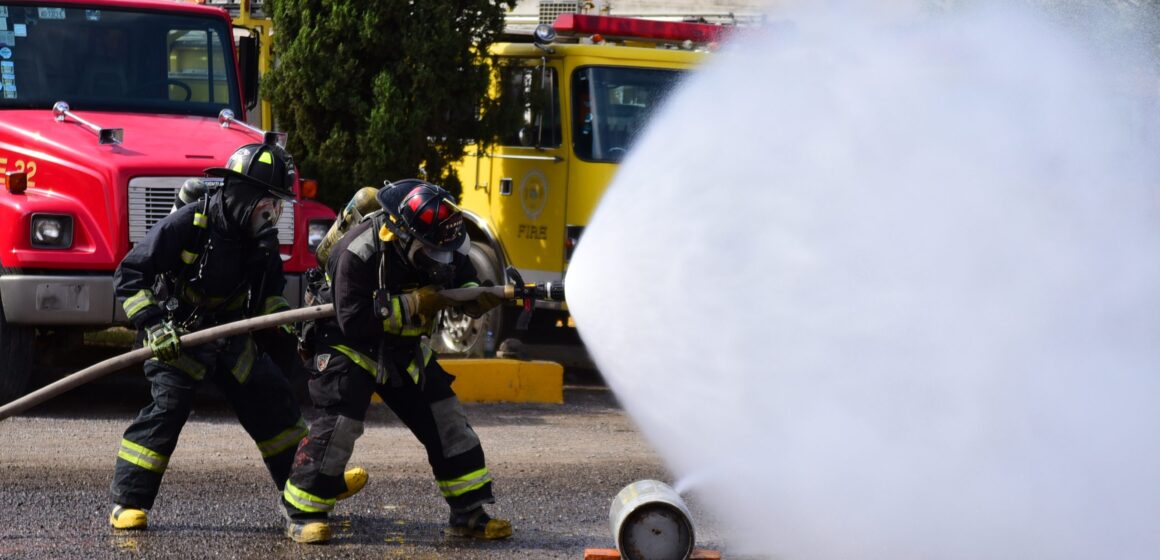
[{"x": 59, "y": 300}]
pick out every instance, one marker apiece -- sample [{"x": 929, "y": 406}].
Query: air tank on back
[{"x": 362, "y": 203}]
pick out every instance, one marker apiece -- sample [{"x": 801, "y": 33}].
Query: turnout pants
[
  {"x": 258, "y": 392},
  {"x": 430, "y": 409}
]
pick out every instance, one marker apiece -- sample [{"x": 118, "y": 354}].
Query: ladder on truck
[{"x": 241, "y": 10}]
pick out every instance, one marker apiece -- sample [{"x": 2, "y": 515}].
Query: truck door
[{"x": 530, "y": 169}]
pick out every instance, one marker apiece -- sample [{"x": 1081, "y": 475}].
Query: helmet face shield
[
  {"x": 265, "y": 216},
  {"x": 441, "y": 257}
]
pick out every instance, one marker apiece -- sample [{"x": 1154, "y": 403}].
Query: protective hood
[{"x": 238, "y": 199}]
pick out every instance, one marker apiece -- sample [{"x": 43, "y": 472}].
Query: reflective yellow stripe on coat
[
  {"x": 138, "y": 302},
  {"x": 395, "y": 323},
  {"x": 188, "y": 257}
]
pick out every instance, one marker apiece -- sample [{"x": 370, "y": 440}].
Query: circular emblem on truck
[{"x": 534, "y": 193}]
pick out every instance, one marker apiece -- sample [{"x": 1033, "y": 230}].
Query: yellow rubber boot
[
  {"x": 476, "y": 524},
  {"x": 128, "y": 518},
  {"x": 356, "y": 479},
  {"x": 308, "y": 531}
]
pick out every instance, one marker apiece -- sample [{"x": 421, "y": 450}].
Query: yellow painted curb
[{"x": 503, "y": 380}]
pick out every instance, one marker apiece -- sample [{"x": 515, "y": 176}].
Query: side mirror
[
  {"x": 525, "y": 135},
  {"x": 248, "y": 65}
]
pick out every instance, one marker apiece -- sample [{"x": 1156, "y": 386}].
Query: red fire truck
[{"x": 107, "y": 107}]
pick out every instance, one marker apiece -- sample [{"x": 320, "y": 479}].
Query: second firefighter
[{"x": 384, "y": 275}]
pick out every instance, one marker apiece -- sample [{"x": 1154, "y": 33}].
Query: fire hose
[{"x": 518, "y": 290}]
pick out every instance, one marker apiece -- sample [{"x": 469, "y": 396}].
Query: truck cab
[
  {"x": 107, "y": 108},
  {"x": 573, "y": 98}
]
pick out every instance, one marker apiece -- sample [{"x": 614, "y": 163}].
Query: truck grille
[{"x": 151, "y": 198}]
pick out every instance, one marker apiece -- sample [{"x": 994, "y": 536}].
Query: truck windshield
[
  {"x": 97, "y": 58},
  {"x": 610, "y": 106}
]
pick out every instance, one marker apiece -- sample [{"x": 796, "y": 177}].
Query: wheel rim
[{"x": 457, "y": 331}]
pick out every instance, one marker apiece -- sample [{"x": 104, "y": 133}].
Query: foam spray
[{"x": 887, "y": 286}]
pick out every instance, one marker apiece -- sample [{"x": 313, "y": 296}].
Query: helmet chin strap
[
  {"x": 412, "y": 252},
  {"x": 403, "y": 246}
]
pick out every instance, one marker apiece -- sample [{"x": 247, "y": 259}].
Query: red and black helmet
[{"x": 427, "y": 214}]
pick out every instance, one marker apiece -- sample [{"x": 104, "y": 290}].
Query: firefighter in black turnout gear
[
  {"x": 384, "y": 275},
  {"x": 210, "y": 262}
]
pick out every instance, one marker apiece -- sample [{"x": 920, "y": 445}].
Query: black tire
[
  {"x": 16, "y": 346},
  {"x": 460, "y": 335}
]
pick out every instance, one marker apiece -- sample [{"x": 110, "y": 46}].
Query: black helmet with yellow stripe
[{"x": 263, "y": 165}]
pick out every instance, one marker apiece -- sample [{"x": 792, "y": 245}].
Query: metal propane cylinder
[
  {"x": 650, "y": 522},
  {"x": 362, "y": 203}
]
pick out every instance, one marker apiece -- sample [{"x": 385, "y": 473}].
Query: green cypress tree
[{"x": 371, "y": 89}]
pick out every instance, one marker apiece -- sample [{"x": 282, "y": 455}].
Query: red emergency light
[{"x": 612, "y": 26}]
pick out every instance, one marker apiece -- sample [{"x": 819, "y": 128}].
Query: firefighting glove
[
  {"x": 420, "y": 306},
  {"x": 289, "y": 329},
  {"x": 483, "y": 303},
  {"x": 164, "y": 340}
]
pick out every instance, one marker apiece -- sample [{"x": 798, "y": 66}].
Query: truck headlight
[
  {"x": 315, "y": 231},
  {"x": 51, "y": 231}
]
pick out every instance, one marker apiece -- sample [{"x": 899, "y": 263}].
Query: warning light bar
[{"x": 612, "y": 26}]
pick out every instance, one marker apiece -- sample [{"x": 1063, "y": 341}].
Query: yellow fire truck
[
  {"x": 253, "y": 33},
  {"x": 577, "y": 94}
]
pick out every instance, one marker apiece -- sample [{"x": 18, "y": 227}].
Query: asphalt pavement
[{"x": 556, "y": 469}]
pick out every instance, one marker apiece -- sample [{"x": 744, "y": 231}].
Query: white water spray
[{"x": 891, "y": 289}]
